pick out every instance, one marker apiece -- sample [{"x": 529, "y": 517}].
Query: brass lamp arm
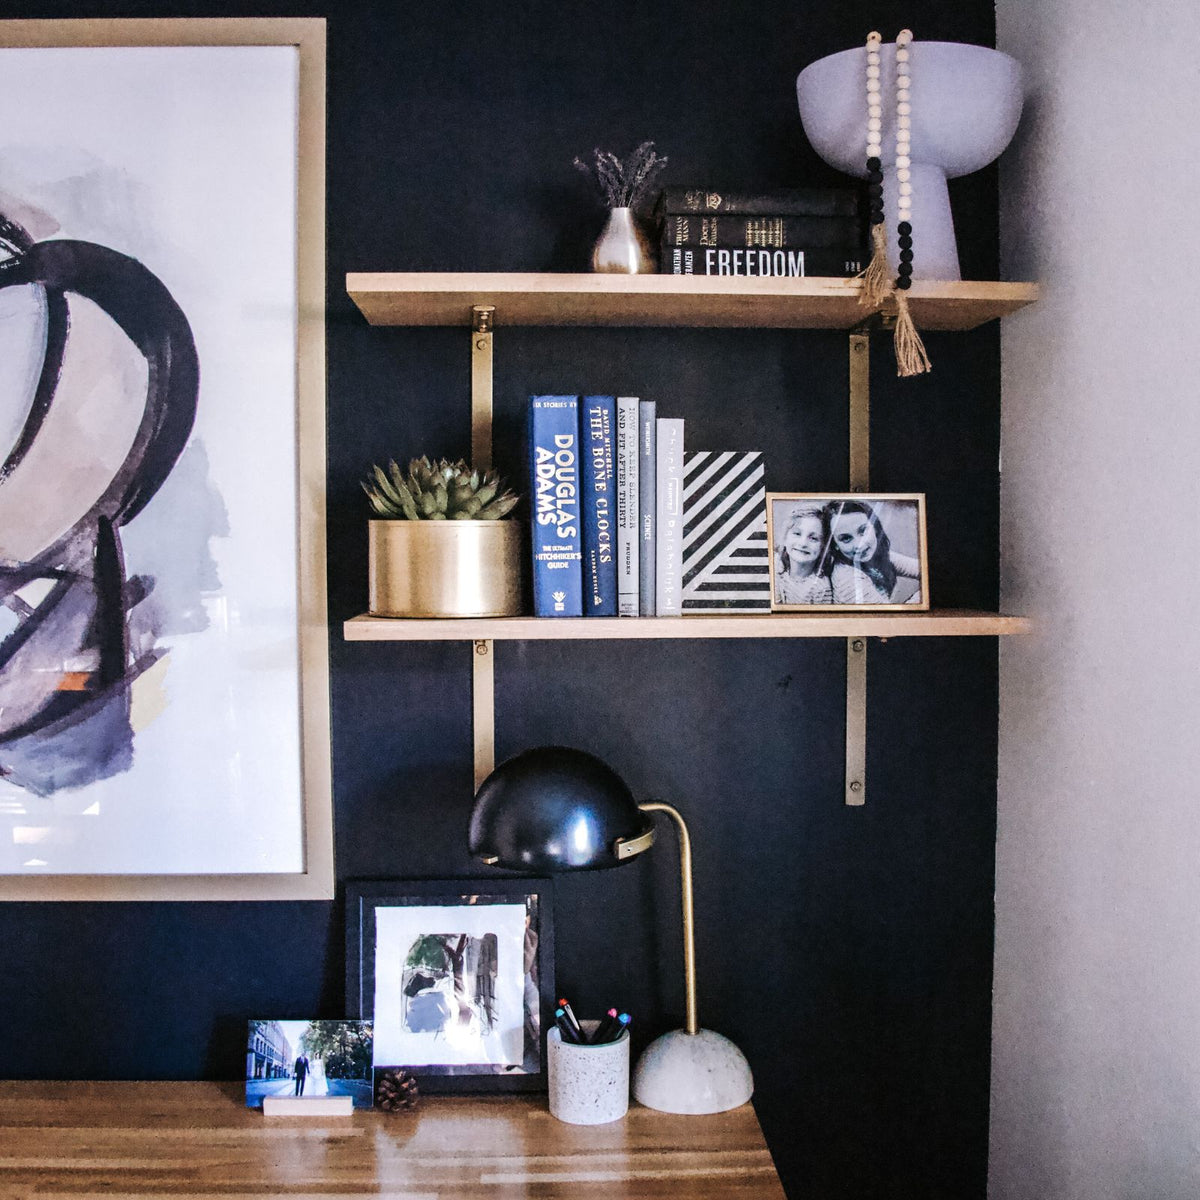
[{"x": 689, "y": 928}]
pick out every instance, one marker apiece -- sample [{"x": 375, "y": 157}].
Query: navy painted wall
[{"x": 848, "y": 951}]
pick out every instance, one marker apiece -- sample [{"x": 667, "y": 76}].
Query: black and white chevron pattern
[{"x": 726, "y": 558}]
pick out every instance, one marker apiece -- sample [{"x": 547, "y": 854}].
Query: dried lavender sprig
[{"x": 624, "y": 182}]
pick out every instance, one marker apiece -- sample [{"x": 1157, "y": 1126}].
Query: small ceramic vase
[{"x": 622, "y": 247}]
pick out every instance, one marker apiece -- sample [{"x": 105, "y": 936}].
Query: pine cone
[{"x": 396, "y": 1091}]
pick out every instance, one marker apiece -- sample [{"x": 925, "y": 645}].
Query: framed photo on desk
[{"x": 457, "y": 976}]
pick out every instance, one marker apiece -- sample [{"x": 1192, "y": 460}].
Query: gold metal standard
[
  {"x": 483, "y": 707},
  {"x": 482, "y": 319},
  {"x": 860, "y": 411},
  {"x": 689, "y": 924},
  {"x": 856, "y": 648},
  {"x": 856, "y": 721},
  {"x": 483, "y": 694}
]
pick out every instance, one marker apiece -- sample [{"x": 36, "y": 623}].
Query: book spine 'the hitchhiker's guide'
[{"x": 554, "y": 494}]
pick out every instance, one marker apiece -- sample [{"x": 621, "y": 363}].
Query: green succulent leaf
[
  {"x": 436, "y": 489},
  {"x": 498, "y": 508}
]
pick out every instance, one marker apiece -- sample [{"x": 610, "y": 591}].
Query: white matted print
[
  {"x": 153, "y": 520},
  {"x": 847, "y": 550},
  {"x": 450, "y": 985}
]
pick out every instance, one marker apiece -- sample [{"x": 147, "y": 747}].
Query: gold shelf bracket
[
  {"x": 483, "y": 651},
  {"x": 483, "y": 707},
  {"x": 483, "y": 318},
  {"x": 856, "y": 648}
]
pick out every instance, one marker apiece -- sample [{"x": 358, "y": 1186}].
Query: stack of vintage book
[{"x": 786, "y": 231}]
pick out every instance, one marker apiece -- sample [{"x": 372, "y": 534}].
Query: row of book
[
  {"x": 627, "y": 523},
  {"x": 787, "y": 231}
]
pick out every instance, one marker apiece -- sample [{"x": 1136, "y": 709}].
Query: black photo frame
[{"x": 447, "y": 984}]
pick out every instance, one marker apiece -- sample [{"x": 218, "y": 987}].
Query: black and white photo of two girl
[{"x": 847, "y": 550}]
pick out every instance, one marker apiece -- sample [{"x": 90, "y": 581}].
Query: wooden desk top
[{"x": 131, "y": 1140}]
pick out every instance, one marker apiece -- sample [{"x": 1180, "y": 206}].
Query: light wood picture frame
[
  {"x": 168, "y": 196},
  {"x": 848, "y": 551}
]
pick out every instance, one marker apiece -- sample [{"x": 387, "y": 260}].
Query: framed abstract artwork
[
  {"x": 164, "y": 711},
  {"x": 457, "y": 977}
]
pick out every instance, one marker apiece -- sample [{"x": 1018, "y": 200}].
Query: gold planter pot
[{"x": 445, "y": 568}]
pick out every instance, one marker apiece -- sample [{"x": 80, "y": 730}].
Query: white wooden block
[{"x": 314, "y": 1106}]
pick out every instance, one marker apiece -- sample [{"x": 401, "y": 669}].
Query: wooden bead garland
[
  {"x": 876, "y": 285},
  {"x": 911, "y": 358}
]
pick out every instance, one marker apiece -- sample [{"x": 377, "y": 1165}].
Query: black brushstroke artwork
[{"x": 67, "y": 664}]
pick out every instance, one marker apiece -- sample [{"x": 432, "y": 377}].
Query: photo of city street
[{"x": 309, "y": 1059}]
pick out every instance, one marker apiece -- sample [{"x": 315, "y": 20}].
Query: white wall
[{"x": 1096, "y": 1034}]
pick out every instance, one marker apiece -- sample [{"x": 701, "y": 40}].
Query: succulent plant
[{"x": 437, "y": 491}]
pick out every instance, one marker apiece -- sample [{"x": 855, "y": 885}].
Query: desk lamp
[{"x": 554, "y": 809}]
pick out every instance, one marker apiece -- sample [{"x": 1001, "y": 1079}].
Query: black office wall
[{"x": 847, "y": 951}]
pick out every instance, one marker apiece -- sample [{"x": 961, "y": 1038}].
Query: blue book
[
  {"x": 554, "y": 502},
  {"x": 647, "y": 504},
  {"x": 597, "y": 431}
]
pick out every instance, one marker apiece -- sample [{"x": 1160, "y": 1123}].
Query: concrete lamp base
[{"x": 692, "y": 1073}]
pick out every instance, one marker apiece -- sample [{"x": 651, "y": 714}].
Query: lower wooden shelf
[{"x": 946, "y": 622}]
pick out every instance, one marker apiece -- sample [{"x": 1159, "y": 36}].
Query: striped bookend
[{"x": 726, "y": 558}]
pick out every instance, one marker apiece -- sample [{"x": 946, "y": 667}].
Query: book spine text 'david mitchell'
[{"x": 627, "y": 506}]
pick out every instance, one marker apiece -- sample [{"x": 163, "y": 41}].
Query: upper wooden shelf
[
  {"x": 945, "y": 622},
  {"x": 437, "y": 298}
]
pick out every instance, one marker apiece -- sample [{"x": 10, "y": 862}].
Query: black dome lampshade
[{"x": 554, "y": 809}]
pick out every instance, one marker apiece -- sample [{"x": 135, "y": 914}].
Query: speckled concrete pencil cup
[{"x": 589, "y": 1085}]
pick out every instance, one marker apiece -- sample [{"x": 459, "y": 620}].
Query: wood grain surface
[
  {"x": 944, "y": 622},
  {"x": 136, "y": 1140},
  {"x": 445, "y": 298}
]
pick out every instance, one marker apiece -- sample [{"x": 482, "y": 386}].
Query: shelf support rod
[
  {"x": 483, "y": 651},
  {"x": 483, "y": 707},
  {"x": 860, "y": 411},
  {"x": 856, "y": 648},
  {"x": 483, "y": 318}
]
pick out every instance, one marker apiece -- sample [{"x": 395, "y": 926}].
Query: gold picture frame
[
  {"x": 310, "y": 836},
  {"x": 848, "y": 551}
]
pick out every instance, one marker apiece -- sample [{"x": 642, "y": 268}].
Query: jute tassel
[
  {"x": 911, "y": 358},
  {"x": 876, "y": 279}
]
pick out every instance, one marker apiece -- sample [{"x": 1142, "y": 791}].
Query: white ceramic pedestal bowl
[{"x": 966, "y": 102}]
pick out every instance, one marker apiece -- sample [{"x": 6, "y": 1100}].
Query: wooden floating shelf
[
  {"x": 939, "y": 623},
  {"x": 433, "y": 298}
]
